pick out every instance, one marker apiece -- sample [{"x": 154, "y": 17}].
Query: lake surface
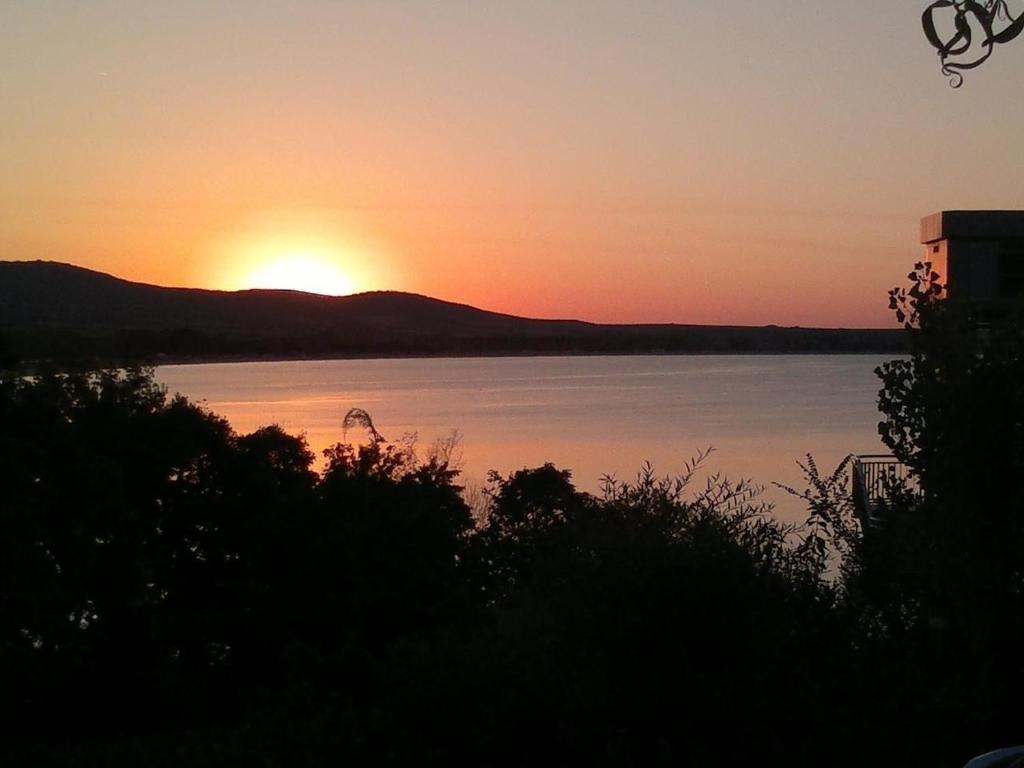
[{"x": 593, "y": 415}]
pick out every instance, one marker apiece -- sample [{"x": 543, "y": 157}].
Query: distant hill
[{"x": 54, "y": 310}]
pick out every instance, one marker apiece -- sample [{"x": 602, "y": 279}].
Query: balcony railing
[{"x": 873, "y": 477}]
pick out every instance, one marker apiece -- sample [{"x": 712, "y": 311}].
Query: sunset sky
[{"x": 753, "y": 161}]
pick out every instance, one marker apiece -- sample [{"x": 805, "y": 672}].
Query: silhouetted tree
[
  {"x": 172, "y": 592},
  {"x": 954, "y": 413},
  {"x": 652, "y": 624}
]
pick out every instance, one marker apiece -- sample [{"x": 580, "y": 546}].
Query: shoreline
[{"x": 175, "y": 360}]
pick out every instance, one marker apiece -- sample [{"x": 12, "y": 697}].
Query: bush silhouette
[{"x": 172, "y": 592}]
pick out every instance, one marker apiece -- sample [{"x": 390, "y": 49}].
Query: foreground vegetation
[{"x": 173, "y": 593}]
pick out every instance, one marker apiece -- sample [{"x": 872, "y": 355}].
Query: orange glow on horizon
[
  {"x": 300, "y": 271},
  {"x": 300, "y": 252}
]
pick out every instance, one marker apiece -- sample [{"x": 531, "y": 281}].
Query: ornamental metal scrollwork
[{"x": 966, "y": 32}]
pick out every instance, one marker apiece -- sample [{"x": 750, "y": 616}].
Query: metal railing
[{"x": 874, "y": 475}]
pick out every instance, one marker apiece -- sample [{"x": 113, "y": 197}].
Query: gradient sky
[{"x": 753, "y": 161}]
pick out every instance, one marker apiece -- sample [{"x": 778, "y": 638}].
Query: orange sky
[{"x": 645, "y": 162}]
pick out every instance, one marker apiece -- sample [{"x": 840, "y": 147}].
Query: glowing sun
[{"x": 307, "y": 272}]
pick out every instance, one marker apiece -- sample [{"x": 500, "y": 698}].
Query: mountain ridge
[
  {"x": 28, "y": 290},
  {"x": 41, "y": 301}
]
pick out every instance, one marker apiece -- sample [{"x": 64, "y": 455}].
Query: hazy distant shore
[
  {"x": 221, "y": 359},
  {"x": 61, "y": 313}
]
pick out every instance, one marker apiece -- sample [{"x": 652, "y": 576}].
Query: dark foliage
[
  {"x": 173, "y": 593},
  {"x": 948, "y": 566}
]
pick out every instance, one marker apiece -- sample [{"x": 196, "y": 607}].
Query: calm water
[{"x": 593, "y": 415}]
